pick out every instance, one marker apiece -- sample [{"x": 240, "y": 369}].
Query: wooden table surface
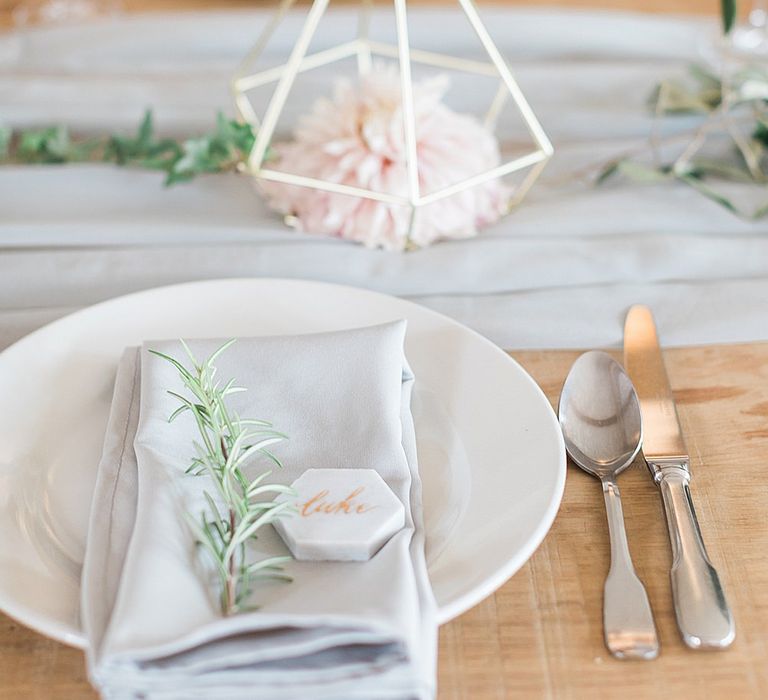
[
  {"x": 540, "y": 635},
  {"x": 667, "y": 6}
]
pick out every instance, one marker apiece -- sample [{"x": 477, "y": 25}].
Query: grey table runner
[{"x": 560, "y": 271}]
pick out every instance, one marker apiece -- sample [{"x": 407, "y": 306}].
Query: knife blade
[
  {"x": 662, "y": 436},
  {"x": 703, "y": 615}
]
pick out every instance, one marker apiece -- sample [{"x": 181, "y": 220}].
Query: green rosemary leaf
[
  {"x": 271, "y": 562},
  {"x": 221, "y": 530},
  {"x": 187, "y": 403},
  {"x": 274, "y": 576},
  {"x": 260, "y": 507},
  {"x": 190, "y": 355},
  {"x": 272, "y": 488},
  {"x": 607, "y": 172},
  {"x": 203, "y": 411},
  {"x": 272, "y": 457},
  {"x": 728, "y": 12},
  {"x": 208, "y": 533},
  {"x": 672, "y": 97},
  {"x": 177, "y": 413},
  {"x": 235, "y": 451},
  {"x": 233, "y": 390},
  {"x": 251, "y": 421},
  {"x": 257, "y": 447},
  {"x": 225, "y": 445},
  {"x": 196, "y": 463},
  {"x": 266, "y": 517},
  {"x": 212, "y": 505},
  {"x": 703, "y": 76},
  {"x": 710, "y": 193},
  {"x": 703, "y": 168},
  {"x": 241, "y": 480},
  {"x": 214, "y": 475},
  {"x": 203, "y": 539},
  {"x": 241, "y": 507},
  {"x": 256, "y": 481},
  {"x": 634, "y": 171},
  {"x": 642, "y": 173},
  {"x": 179, "y": 367},
  {"x": 215, "y": 356},
  {"x": 700, "y": 95},
  {"x": 6, "y": 134},
  {"x": 760, "y": 134}
]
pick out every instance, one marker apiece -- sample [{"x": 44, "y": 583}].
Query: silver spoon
[{"x": 602, "y": 426}]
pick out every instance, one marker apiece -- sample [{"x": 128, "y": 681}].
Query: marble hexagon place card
[{"x": 342, "y": 515}]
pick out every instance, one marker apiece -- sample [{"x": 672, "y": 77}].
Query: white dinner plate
[{"x": 490, "y": 450}]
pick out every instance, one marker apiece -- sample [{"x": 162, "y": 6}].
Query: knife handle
[{"x": 703, "y": 615}]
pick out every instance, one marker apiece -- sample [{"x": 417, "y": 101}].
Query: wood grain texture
[{"x": 540, "y": 635}]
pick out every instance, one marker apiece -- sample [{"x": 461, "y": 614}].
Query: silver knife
[{"x": 703, "y": 615}]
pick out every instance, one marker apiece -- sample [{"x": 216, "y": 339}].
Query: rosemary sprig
[{"x": 236, "y": 514}]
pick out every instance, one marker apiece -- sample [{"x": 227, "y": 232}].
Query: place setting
[
  {"x": 454, "y": 426},
  {"x": 342, "y": 550},
  {"x": 322, "y": 333}
]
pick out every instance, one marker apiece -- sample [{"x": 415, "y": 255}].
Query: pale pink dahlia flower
[{"x": 357, "y": 139}]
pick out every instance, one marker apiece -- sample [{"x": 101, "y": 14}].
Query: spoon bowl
[
  {"x": 600, "y": 415},
  {"x": 600, "y": 418}
]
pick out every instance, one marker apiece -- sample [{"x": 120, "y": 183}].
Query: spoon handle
[{"x": 627, "y": 618}]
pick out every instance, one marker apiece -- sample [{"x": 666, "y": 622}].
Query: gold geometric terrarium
[{"x": 363, "y": 49}]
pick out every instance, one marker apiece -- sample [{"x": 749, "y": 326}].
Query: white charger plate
[{"x": 490, "y": 449}]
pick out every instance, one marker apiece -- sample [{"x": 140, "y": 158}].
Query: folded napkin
[{"x": 340, "y": 629}]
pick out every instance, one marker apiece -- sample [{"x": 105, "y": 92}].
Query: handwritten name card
[{"x": 341, "y": 515}]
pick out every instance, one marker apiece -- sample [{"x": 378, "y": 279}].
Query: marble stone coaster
[{"x": 342, "y": 515}]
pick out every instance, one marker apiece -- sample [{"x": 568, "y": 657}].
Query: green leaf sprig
[
  {"x": 237, "y": 511},
  {"x": 733, "y": 104},
  {"x": 736, "y": 109},
  {"x": 728, "y": 11},
  {"x": 223, "y": 149}
]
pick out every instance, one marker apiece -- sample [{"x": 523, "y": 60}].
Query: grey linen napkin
[{"x": 340, "y": 629}]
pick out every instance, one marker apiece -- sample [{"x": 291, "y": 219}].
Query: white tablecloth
[{"x": 561, "y": 271}]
